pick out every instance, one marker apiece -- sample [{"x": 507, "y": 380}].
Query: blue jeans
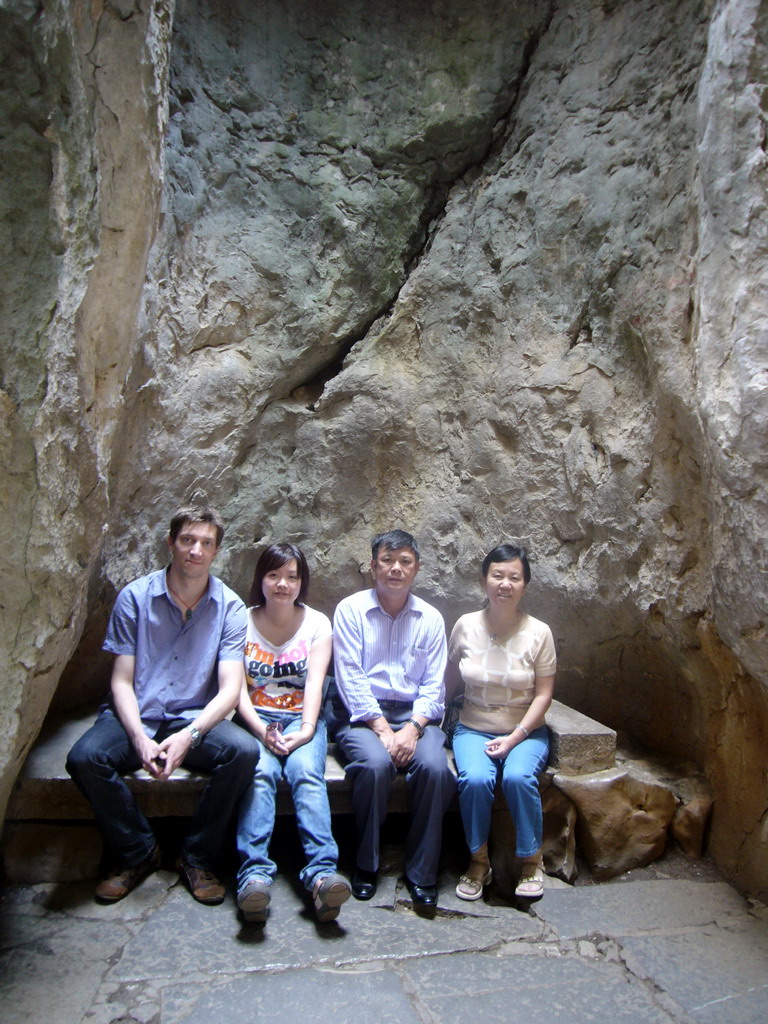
[
  {"x": 304, "y": 769},
  {"x": 101, "y": 756},
  {"x": 519, "y": 781}
]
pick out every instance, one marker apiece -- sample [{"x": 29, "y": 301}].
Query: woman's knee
[
  {"x": 519, "y": 781},
  {"x": 268, "y": 772},
  {"x": 305, "y": 773},
  {"x": 475, "y": 781}
]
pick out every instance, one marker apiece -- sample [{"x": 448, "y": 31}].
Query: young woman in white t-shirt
[{"x": 287, "y": 652}]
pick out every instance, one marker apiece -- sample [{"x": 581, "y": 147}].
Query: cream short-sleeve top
[{"x": 499, "y": 675}]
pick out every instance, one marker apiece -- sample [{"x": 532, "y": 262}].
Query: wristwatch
[
  {"x": 417, "y": 726},
  {"x": 196, "y": 735}
]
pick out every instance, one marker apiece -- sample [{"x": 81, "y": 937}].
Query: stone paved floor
[{"x": 667, "y": 944}]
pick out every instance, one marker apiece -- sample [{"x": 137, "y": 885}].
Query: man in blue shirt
[
  {"x": 178, "y": 636},
  {"x": 389, "y": 656}
]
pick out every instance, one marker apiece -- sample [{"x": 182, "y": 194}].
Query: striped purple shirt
[{"x": 380, "y": 658}]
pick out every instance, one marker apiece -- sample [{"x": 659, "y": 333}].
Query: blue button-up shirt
[
  {"x": 177, "y": 659},
  {"x": 380, "y": 658}
]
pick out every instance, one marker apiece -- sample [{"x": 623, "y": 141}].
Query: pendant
[{"x": 188, "y": 616}]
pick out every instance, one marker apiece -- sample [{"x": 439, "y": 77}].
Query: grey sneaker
[
  {"x": 253, "y": 901},
  {"x": 328, "y": 894}
]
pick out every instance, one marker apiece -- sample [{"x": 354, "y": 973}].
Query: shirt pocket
[{"x": 417, "y": 663}]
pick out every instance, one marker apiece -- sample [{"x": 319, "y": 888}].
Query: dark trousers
[
  {"x": 101, "y": 756},
  {"x": 431, "y": 784}
]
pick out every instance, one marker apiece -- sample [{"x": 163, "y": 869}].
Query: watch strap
[{"x": 196, "y": 734}]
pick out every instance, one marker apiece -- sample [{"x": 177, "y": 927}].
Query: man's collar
[
  {"x": 411, "y": 604},
  {"x": 159, "y": 585}
]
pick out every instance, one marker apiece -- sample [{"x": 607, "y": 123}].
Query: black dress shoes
[
  {"x": 363, "y": 884},
  {"x": 422, "y": 895}
]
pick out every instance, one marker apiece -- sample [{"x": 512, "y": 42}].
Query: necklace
[
  {"x": 505, "y": 635},
  {"x": 189, "y": 607}
]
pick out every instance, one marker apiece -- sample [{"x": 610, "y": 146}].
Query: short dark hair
[
  {"x": 508, "y": 553},
  {"x": 197, "y": 514},
  {"x": 393, "y": 540},
  {"x": 272, "y": 558}
]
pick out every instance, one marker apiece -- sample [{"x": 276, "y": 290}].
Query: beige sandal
[
  {"x": 531, "y": 884},
  {"x": 472, "y": 888}
]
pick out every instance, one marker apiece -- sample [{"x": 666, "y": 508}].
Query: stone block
[
  {"x": 623, "y": 815},
  {"x": 559, "y": 838},
  {"x": 692, "y": 792},
  {"x": 689, "y": 825},
  {"x": 578, "y": 743}
]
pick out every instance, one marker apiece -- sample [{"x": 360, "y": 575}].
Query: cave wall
[
  {"x": 486, "y": 271},
  {"x": 83, "y": 88}
]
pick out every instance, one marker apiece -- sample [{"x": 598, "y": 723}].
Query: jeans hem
[{"x": 252, "y": 878}]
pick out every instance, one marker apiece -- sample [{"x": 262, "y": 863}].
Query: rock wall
[
  {"x": 83, "y": 90},
  {"x": 488, "y": 270}
]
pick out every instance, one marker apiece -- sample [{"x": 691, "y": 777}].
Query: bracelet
[
  {"x": 305, "y": 721},
  {"x": 417, "y": 726},
  {"x": 523, "y": 730}
]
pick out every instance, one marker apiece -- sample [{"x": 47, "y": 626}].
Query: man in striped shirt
[{"x": 390, "y": 655}]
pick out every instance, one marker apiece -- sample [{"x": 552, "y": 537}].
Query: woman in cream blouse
[{"x": 506, "y": 661}]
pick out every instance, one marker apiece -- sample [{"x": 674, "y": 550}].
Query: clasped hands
[
  {"x": 401, "y": 745},
  {"x": 280, "y": 744},
  {"x": 161, "y": 760}
]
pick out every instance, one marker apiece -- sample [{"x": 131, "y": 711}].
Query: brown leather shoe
[
  {"x": 122, "y": 880},
  {"x": 204, "y": 886}
]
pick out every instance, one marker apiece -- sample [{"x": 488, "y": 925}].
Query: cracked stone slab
[
  {"x": 628, "y": 908},
  {"x": 542, "y": 989},
  {"x": 676, "y": 952},
  {"x": 273, "y": 999},
  {"x": 68, "y": 962},
  {"x": 137, "y": 1003},
  {"x": 187, "y": 933},
  {"x": 76, "y": 900},
  {"x": 717, "y": 974}
]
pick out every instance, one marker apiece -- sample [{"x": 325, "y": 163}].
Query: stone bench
[{"x": 49, "y": 833}]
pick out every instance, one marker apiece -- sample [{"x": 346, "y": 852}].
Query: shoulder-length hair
[{"x": 272, "y": 558}]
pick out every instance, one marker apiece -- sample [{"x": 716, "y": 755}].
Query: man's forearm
[
  {"x": 217, "y": 709},
  {"x": 127, "y": 710},
  {"x": 213, "y": 713},
  {"x": 124, "y": 699}
]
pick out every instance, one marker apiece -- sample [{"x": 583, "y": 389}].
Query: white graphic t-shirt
[{"x": 276, "y": 675}]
